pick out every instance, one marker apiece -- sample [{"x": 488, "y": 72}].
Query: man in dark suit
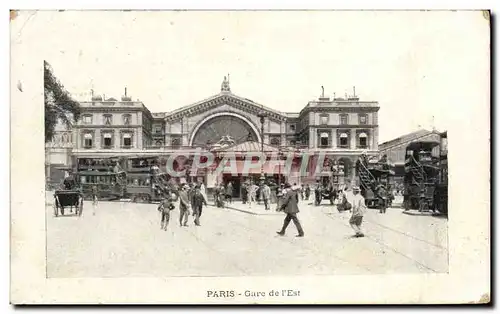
[
  {"x": 197, "y": 202},
  {"x": 164, "y": 208},
  {"x": 290, "y": 207},
  {"x": 184, "y": 204}
]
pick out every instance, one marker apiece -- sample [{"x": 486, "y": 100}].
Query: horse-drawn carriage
[
  {"x": 68, "y": 198},
  {"x": 325, "y": 192}
]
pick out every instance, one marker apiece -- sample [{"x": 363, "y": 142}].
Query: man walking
[
  {"x": 184, "y": 206},
  {"x": 290, "y": 207},
  {"x": 308, "y": 192},
  {"x": 266, "y": 194},
  {"x": 358, "y": 209},
  {"x": 164, "y": 208},
  {"x": 197, "y": 202}
]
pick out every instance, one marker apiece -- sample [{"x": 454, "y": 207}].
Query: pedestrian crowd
[{"x": 287, "y": 197}]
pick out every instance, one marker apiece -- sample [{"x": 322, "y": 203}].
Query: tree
[{"x": 59, "y": 105}]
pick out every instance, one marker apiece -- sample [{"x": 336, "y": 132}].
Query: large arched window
[{"x": 220, "y": 127}]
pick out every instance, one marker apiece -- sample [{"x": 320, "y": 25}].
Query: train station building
[
  {"x": 396, "y": 149},
  {"x": 225, "y": 123}
]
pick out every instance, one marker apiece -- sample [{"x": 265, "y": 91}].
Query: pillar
[
  {"x": 97, "y": 139},
  {"x": 135, "y": 143},
  {"x": 117, "y": 140},
  {"x": 139, "y": 138},
  {"x": 283, "y": 132},
  {"x": 353, "y": 139},
  {"x": 312, "y": 138},
  {"x": 334, "y": 138}
]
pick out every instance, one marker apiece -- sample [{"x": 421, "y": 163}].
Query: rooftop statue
[{"x": 225, "y": 85}]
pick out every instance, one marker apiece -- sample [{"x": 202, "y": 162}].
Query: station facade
[{"x": 225, "y": 123}]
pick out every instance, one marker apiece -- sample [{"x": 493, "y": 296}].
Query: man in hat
[
  {"x": 184, "y": 205},
  {"x": 164, "y": 208},
  {"x": 265, "y": 192},
  {"x": 358, "y": 210},
  {"x": 197, "y": 201},
  {"x": 291, "y": 208}
]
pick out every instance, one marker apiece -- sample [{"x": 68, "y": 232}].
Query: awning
[
  {"x": 270, "y": 168},
  {"x": 87, "y": 136},
  {"x": 363, "y": 135},
  {"x": 343, "y": 135},
  {"x": 127, "y": 135},
  {"x": 107, "y": 135}
]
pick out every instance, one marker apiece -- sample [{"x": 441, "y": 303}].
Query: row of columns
[{"x": 371, "y": 140}]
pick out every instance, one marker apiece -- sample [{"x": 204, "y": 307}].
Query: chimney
[{"x": 125, "y": 91}]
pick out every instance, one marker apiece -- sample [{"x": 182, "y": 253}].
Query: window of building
[
  {"x": 107, "y": 119},
  {"x": 363, "y": 119},
  {"x": 176, "y": 142},
  {"x": 344, "y": 119},
  {"x": 275, "y": 141},
  {"x": 159, "y": 143},
  {"x": 292, "y": 127},
  {"x": 157, "y": 129},
  {"x": 87, "y": 140},
  {"x": 87, "y": 119},
  {"x": 363, "y": 140},
  {"x": 127, "y": 140},
  {"x": 343, "y": 140},
  {"x": 127, "y": 119},
  {"x": 324, "y": 139},
  {"x": 108, "y": 140},
  {"x": 323, "y": 119}
]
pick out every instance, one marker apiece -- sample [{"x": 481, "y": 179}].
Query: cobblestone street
[{"x": 124, "y": 239}]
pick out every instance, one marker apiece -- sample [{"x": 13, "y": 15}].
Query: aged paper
[{"x": 345, "y": 90}]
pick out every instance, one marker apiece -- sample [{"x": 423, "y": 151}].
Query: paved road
[{"x": 124, "y": 239}]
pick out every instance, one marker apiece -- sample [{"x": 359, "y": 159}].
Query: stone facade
[{"x": 343, "y": 128}]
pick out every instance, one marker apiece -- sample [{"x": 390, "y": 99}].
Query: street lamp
[{"x": 262, "y": 115}]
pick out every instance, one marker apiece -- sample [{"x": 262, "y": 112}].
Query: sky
[{"x": 415, "y": 64}]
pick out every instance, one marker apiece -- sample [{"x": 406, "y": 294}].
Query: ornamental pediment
[{"x": 228, "y": 99}]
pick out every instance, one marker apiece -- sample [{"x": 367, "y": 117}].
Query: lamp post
[{"x": 262, "y": 116}]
